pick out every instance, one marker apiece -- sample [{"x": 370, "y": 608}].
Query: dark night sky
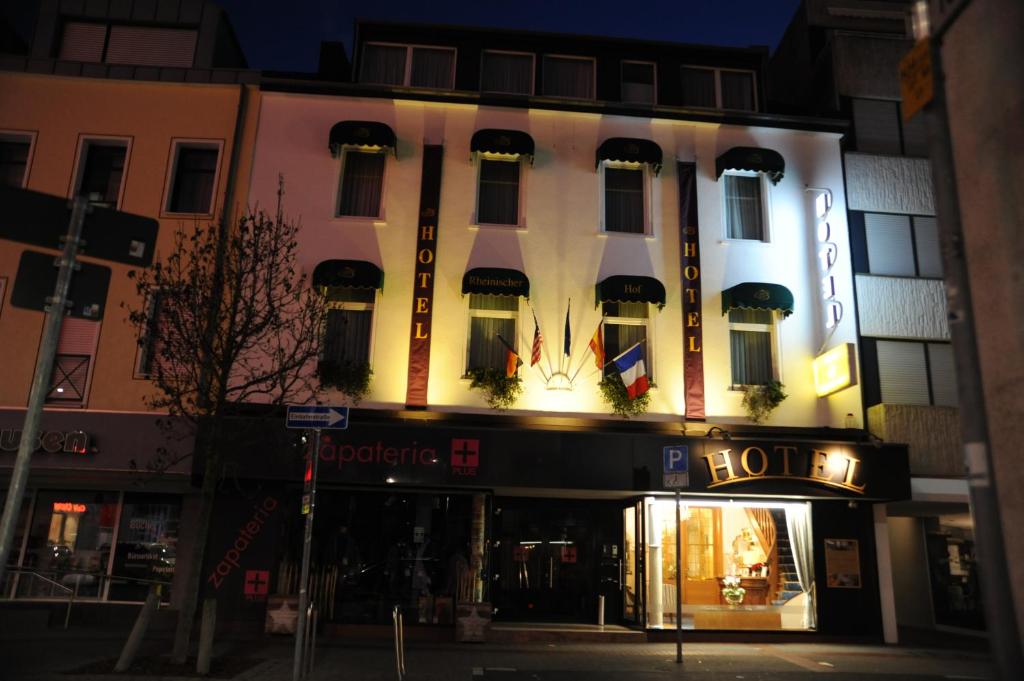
[{"x": 285, "y": 35}]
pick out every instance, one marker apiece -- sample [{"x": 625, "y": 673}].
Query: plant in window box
[
  {"x": 613, "y": 390},
  {"x": 761, "y": 400},
  {"x": 352, "y": 379},
  {"x": 732, "y": 591},
  {"x": 500, "y": 390}
]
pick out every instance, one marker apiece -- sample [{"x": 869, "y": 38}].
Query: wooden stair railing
[{"x": 764, "y": 529}]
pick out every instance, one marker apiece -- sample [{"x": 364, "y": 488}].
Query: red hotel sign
[
  {"x": 693, "y": 335},
  {"x": 423, "y": 279}
]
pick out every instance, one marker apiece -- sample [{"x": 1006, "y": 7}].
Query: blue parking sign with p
[{"x": 676, "y": 466}]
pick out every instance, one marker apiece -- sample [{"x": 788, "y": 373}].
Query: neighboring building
[
  {"x": 470, "y": 185},
  {"x": 841, "y": 58},
  {"x": 981, "y": 55},
  {"x": 138, "y": 109}
]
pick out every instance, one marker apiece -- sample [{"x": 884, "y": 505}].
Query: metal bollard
[
  {"x": 600, "y": 611},
  {"x": 396, "y": 616}
]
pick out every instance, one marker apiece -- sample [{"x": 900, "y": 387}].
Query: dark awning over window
[
  {"x": 756, "y": 296},
  {"x": 626, "y": 289},
  {"x": 493, "y": 141},
  {"x": 630, "y": 150},
  {"x": 349, "y": 273},
  {"x": 766, "y": 161},
  {"x": 362, "y": 134},
  {"x": 496, "y": 281}
]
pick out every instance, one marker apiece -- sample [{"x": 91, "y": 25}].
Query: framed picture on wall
[{"x": 842, "y": 563}]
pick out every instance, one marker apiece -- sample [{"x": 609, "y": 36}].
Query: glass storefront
[
  {"x": 743, "y": 565},
  {"x": 90, "y": 542}
]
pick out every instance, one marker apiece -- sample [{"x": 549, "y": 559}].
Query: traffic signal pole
[{"x": 41, "y": 380}]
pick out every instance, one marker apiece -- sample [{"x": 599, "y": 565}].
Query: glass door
[{"x": 631, "y": 563}]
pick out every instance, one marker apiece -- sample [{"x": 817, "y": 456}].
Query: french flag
[{"x": 633, "y": 371}]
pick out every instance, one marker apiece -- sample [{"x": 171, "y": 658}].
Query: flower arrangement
[
  {"x": 500, "y": 391},
  {"x": 756, "y": 570},
  {"x": 732, "y": 591},
  {"x": 761, "y": 400}
]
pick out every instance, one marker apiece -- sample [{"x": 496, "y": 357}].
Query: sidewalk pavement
[{"x": 49, "y": 658}]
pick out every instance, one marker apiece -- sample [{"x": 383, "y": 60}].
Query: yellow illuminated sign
[{"x": 834, "y": 370}]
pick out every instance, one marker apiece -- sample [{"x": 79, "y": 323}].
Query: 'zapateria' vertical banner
[
  {"x": 423, "y": 282},
  {"x": 693, "y": 335}
]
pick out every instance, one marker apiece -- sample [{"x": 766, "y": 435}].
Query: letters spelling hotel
[{"x": 466, "y": 194}]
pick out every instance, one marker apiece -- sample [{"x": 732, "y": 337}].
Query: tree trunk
[
  {"x": 206, "y": 630},
  {"x": 190, "y": 597}
]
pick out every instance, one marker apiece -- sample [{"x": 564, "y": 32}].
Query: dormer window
[
  {"x": 719, "y": 88},
  {"x": 506, "y": 72},
  {"x": 638, "y": 84},
  {"x": 571, "y": 77},
  {"x": 408, "y": 65},
  {"x": 123, "y": 44}
]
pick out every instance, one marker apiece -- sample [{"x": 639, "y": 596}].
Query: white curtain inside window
[
  {"x": 511, "y": 73},
  {"x": 620, "y": 337},
  {"x": 498, "y": 203},
  {"x": 698, "y": 87},
  {"x": 798, "y": 525},
  {"x": 347, "y": 337},
  {"x": 383, "y": 64},
  {"x": 751, "y": 353},
  {"x": 624, "y": 200},
  {"x": 485, "y": 350},
  {"x": 743, "y": 210},
  {"x": 433, "y": 67},
  {"x": 361, "y": 184},
  {"x": 737, "y": 90},
  {"x": 565, "y": 77}
]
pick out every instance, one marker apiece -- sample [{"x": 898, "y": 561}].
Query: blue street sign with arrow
[{"x": 316, "y": 416}]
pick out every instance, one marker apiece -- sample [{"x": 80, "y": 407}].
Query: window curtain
[
  {"x": 383, "y": 65},
  {"x": 621, "y": 337},
  {"x": 433, "y": 68},
  {"x": 743, "y": 206},
  {"x": 361, "y": 184},
  {"x": 511, "y": 73},
  {"x": 699, "y": 87},
  {"x": 737, "y": 90},
  {"x": 499, "y": 193},
  {"x": 347, "y": 337},
  {"x": 569, "y": 77},
  {"x": 751, "y": 354},
  {"x": 798, "y": 524},
  {"x": 485, "y": 350},
  {"x": 193, "y": 182},
  {"x": 624, "y": 200}
]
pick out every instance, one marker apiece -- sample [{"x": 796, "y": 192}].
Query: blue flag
[{"x": 568, "y": 333}]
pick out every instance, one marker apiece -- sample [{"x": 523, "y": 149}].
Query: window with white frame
[
  {"x": 410, "y": 65},
  {"x": 193, "y": 177},
  {"x": 626, "y": 187},
  {"x": 490, "y": 316},
  {"x": 913, "y": 372},
  {"x": 498, "y": 193},
  {"x": 752, "y": 346},
  {"x": 506, "y": 72},
  {"x": 14, "y": 155},
  {"x": 719, "y": 88},
  {"x": 745, "y": 205},
  {"x": 101, "y": 166},
  {"x": 902, "y": 245},
  {"x": 362, "y": 183},
  {"x": 638, "y": 82},
  {"x": 626, "y": 324},
  {"x": 348, "y": 331},
  {"x": 571, "y": 77}
]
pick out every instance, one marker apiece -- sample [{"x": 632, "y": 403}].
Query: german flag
[{"x": 512, "y": 361}]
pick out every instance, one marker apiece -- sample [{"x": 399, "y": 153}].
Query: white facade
[{"x": 561, "y": 247}]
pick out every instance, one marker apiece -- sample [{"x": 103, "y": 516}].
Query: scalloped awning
[
  {"x": 753, "y": 295},
  {"x": 767, "y": 161},
  {"x": 631, "y": 289},
  {"x": 361, "y": 134},
  {"x": 630, "y": 150},
  {"x": 495, "y": 141},
  {"x": 496, "y": 281},
  {"x": 348, "y": 273}
]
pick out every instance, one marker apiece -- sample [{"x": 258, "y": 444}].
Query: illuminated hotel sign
[
  {"x": 834, "y": 370},
  {"x": 837, "y": 469},
  {"x": 828, "y": 255},
  {"x": 693, "y": 338}
]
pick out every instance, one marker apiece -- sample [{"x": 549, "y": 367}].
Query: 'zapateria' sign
[{"x": 732, "y": 466}]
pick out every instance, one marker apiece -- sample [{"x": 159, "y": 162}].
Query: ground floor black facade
[{"x": 539, "y": 521}]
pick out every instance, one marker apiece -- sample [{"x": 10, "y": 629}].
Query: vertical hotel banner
[
  {"x": 693, "y": 336},
  {"x": 423, "y": 282}
]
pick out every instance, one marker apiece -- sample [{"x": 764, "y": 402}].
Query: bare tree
[{"x": 226, "y": 320}]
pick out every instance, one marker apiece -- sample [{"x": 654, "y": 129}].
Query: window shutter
[
  {"x": 929, "y": 257},
  {"x": 902, "y": 373},
  {"x": 876, "y": 125},
  {"x": 890, "y": 250},
  {"x": 943, "y": 370},
  {"x": 72, "y": 365},
  {"x": 151, "y": 46},
  {"x": 78, "y": 336},
  {"x": 82, "y": 41}
]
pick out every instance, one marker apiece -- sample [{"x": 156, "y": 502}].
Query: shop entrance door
[
  {"x": 632, "y": 563},
  {"x": 552, "y": 558}
]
